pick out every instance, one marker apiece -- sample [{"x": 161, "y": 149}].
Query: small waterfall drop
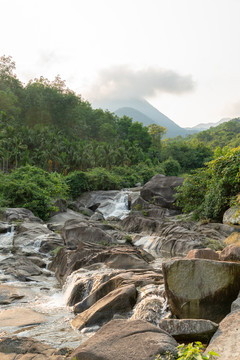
[
  {"x": 116, "y": 207},
  {"x": 6, "y": 242}
]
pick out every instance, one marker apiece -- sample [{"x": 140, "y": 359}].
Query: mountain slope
[{"x": 139, "y": 109}]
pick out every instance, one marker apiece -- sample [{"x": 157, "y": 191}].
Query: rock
[
  {"x": 97, "y": 217},
  {"x": 93, "y": 199},
  {"x": 232, "y": 216},
  {"x": 120, "y": 256},
  {"x": 188, "y": 330},
  {"x": 175, "y": 237},
  {"x": 10, "y": 293},
  {"x": 13, "y": 214},
  {"x": 234, "y": 238},
  {"x": 139, "y": 224},
  {"x": 75, "y": 231},
  {"x": 236, "y": 304},
  {"x": 37, "y": 261},
  {"x": 30, "y": 235},
  {"x": 126, "y": 339},
  {"x": 20, "y": 267},
  {"x": 119, "y": 301},
  {"x": 203, "y": 254},
  {"x": 51, "y": 242},
  {"x": 230, "y": 253},
  {"x": 61, "y": 218},
  {"x": 150, "y": 309},
  {"x": 4, "y": 227},
  {"x": 60, "y": 205},
  {"x": 24, "y": 348},
  {"x": 19, "y": 316},
  {"x": 110, "y": 282},
  {"x": 226, "y": 341},
  {"x": 139, "y": 204},
  {"x": 201, "y": 289},
  {"x": 160, "y": 190}
]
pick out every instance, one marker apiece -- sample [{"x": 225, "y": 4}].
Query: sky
[{"x": 183, "y": 56}]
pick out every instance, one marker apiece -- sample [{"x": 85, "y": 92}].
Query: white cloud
[{"x": 124, "y": 82}]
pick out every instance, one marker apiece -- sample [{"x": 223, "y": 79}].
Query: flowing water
[
  {"x": 116, "y": 207},
  {"x": 44, "y": 295}
]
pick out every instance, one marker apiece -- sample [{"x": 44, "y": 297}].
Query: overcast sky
[{"x": 183, "y": 56}]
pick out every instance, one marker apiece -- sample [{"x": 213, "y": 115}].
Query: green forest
[{"x": 54, "y": 144}]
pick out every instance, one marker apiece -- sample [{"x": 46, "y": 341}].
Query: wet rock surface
[{"x": 106, "y": 272}]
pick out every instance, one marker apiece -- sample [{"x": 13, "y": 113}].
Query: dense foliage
[
  {"x": 226, "y": 134},
  {"x": 44, "y": 126},
  {"x": 209, "y": 191},
  {"x": 47, "y": 125},
  {"x": 32, "y": 188}
]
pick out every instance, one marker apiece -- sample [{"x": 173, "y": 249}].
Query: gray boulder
[
  {"x": 126, "y": 339},
  {"x": 187, "y": 330},
  {"x": 94, "y": 199},
  {"x": 160, "y": 190},
  {"x": 115, "y": 257},
  {"x": 13, "y": 214},
  {"x": 75, "y": 231},
  {"x": 232, "y": 216},
  {"x": 226, "y": 341},
  {"x": 201, "y": 289}
]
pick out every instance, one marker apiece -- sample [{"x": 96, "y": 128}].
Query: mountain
[
  {"x": 134, "y": 114},
  {"x": 142, "y": 111},
  {"x": 202, "y": 126}
]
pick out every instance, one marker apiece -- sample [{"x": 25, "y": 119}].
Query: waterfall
[{"x": 117, "y": 207}]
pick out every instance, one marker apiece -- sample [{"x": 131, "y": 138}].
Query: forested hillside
[
  {"x": 46, "y": 124},
  {"x": 54, "y": 144}
]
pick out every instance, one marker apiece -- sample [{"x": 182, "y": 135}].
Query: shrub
[
  {"x": 171, "y": 167},
  {"x": 102, "y": 179},
  {"x": 192, "y": 351},
  {"x": 210, "y": 191},
  {"x": 77, "y": 182},
  {"x": 32, "y": 188}
]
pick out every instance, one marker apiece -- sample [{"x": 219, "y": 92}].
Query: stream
[{"x": 44, "y": 295}]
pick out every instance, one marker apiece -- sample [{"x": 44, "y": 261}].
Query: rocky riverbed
[{"x": 90, "y": 283}]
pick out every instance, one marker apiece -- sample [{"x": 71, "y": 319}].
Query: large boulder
[
  {"x": 94, "y": 199},
  {"x": 203, "y": 254},
  {"x": 75, "y": 231},
  {"x": 115, "y": 257},
  {"x": 138, "y": 223},
  {"x": 126, "y": 339},
  {"x": 232, "y": 216},
  {"x": 226, "y": 341},
  {"x": 187, "y": 330},
  {"x": 20, "y": 267},
  {"x": 230, "y": 253},
  {"x": 160, "y": 190},
  {"x": 119, "y": 301},
  {"x": 201, "y": 289},
  {"x": 14, "y": 214},
  {"x": 107, "y": 283}
]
